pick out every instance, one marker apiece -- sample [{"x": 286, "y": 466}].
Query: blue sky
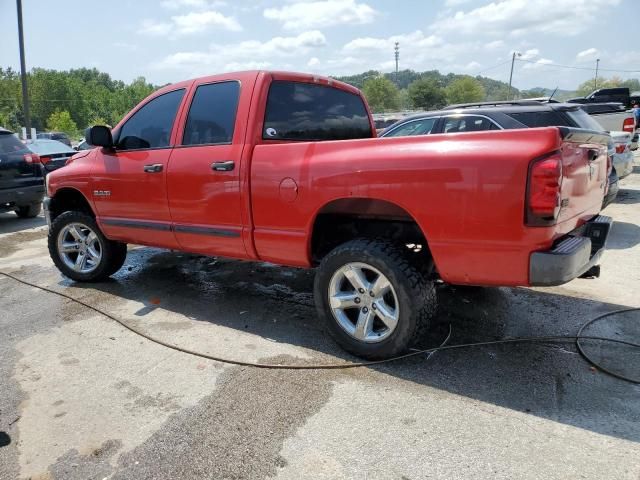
[{"x": 171, "y": 40}]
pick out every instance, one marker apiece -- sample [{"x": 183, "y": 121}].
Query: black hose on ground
[{"x": 333, "y": 366}]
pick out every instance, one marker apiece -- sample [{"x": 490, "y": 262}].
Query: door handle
[
  {"x": 154, "y": 168},
  {"x": 223, "y": 166}
]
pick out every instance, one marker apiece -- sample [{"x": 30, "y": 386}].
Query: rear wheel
[
  {"x": 81, "y": 251},
  {"x": 29, "y": 211},
  {"x": 374, "y": 302}
]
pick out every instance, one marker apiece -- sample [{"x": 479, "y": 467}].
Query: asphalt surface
[{"x": 83, "y": 398}]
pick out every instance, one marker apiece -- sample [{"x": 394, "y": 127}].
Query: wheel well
[
  {"x": 346, "y": 219},
  {"x": 68, "y": 199}
]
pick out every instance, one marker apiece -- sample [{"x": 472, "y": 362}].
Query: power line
[
  {"x": 492, "y": 67},
  {"x": 575, "y": 67},
  {"x": 42, "y": 100}
]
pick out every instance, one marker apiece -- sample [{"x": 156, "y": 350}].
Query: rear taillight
[
  {"x": 31, "y": 158},
  {"x": 45, "y": 160},
  {"x": 621, "y": 148},
  {"x": 628, "y": 125},
  {"x": 543, "y": 190}
]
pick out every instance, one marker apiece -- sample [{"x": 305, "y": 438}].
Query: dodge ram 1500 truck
[{"x": 286, "y": 168}]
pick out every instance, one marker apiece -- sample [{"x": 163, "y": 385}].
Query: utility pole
[
  {"x": 595, "y": 80},
  {"x": 513, "y": 60},
  {"x": 23, "y": 71},
  {"x": 396, "y": 50}
]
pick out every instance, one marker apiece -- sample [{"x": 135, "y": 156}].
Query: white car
[
  {"x": 613, "y": 117},
  {"x": 623, "y": 157}
]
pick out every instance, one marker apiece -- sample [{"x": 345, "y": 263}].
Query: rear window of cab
[{"x": 309, "y": 112}]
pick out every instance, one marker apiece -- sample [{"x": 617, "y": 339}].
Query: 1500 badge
[{"x": 102, "y": 193}]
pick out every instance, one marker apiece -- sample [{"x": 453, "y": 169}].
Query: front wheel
[
  {"x": 81, "y": 251},
  {"x": 374, "y": 302}
]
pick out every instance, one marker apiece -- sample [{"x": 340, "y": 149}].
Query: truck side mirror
[{"x": 99, "y": 136}]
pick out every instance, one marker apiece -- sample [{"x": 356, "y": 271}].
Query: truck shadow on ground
[
  {"x": 10, "y": 222},
  {"x": 550, "y": 381},
  {"x": 623, "y": 235}
]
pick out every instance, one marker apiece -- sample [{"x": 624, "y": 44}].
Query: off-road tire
[
  {"x": 113, "y": 253},
  {"x": 415, "y": 291}
]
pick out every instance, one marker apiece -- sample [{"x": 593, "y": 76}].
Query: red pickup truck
[{"x": 285, "y": 168}]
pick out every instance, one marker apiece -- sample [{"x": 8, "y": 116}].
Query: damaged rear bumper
[{"x": 572, "y": 256}]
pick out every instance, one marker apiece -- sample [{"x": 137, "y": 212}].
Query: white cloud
[
  {"x": 530, "y": 54},
  {"x": 410, "y": 42},
  {"x": 152, "y": 27},
  {"x": 473, "y": 65},
  {"x": 249, "y": 65},
  {"x": 521, "y": 17},
  {"x": 454, "y": 3},
  {"x": 317, "y": 14},
  {"x": 249, "y": 54},
  {"x": 189, "y": 24},
  {"x": 495, "y": 44},
  {"x": 587, "y": 54},
  {"x": 418, "y": 51},
  {"x": 537, "y": 64},
  {"x": 313, "y": 62},
  {"x": 193, "y": 4},
  {"x": 196, "y": 22}
]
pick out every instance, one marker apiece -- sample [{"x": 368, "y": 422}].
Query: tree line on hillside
[
  {"x": 432, "y": 90},
  {"x": 428, "y": 90},
  {"x": 68, "y": 101}
]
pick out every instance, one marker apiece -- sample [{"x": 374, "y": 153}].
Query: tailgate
[{"x": 584, "y": 175}]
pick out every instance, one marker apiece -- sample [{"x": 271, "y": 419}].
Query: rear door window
[
  {"x": 212, "y": 115},
  {"x": 423, "y": 126},
  {"x": 468, "y": 123},
  {"x": 309, "y": 112},
  {"x": 150, "y": 126},
  {"x": 541, "y": 119}
]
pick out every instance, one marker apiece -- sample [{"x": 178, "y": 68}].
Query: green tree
[
  {"x": 405, "y": 101},
  {"x": 589, "y": 86},
  {"x": 381, "y": 94},
  {"x": 464, "y": 90},
  {"x": 97, "y": 120},
  {"x": 61, "y": 121},
  {"x": 426, "y": 93}
]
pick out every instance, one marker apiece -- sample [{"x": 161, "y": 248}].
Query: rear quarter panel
[{"x": 466, "y": 191}]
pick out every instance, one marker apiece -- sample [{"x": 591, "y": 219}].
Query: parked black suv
[
  {"x": 474, "y": 117},
  {"x": 21, "y": 177}
]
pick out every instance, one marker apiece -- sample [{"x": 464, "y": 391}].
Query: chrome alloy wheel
[
  {"x": 79, "y": 247},
  {"x": 363, "y": 302}
]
